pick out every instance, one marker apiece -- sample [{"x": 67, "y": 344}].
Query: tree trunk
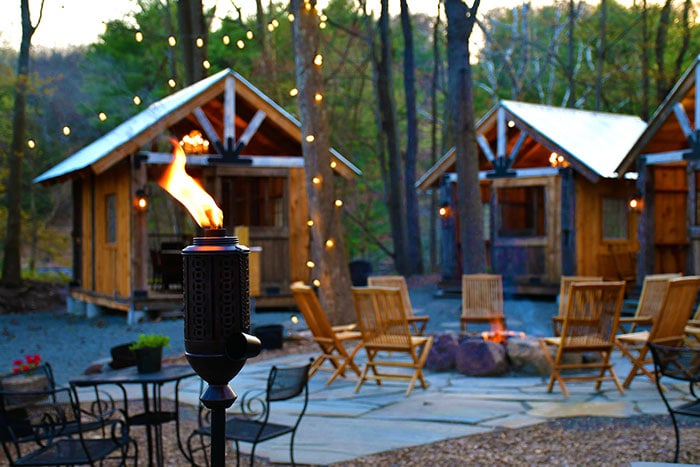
[
  {"x": 460, "y": 22},
  {"x": 331, "y": 267},
  {"x": 387, "y": 108},
  {"x": 662, "y": 81},
  {"x": 571, "y": 101},
  {"x": 432, "y": 237},
  {"x": 601, "y": 55},
  {"x": 12, "y": 264},
  {"x": 414, "y": 248},
  {"x": 190, "y": 18},
  {"x": 646, "y": 112}
]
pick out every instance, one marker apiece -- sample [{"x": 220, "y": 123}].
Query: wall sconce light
[
  {"x": 444, "y": 211},
  {"x": 636, "y": 203},
  {"x": 141, "y": 200}
]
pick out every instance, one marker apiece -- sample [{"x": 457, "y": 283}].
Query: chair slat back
[
  {"x": 565, "y": 285},
  {"x": 313, "y": 313},
  {"x": 675, "y": 310},
  {"x": 592, "y": 313},
  {"x": 482, "y": 296},
  {"x": 381, "y": 317},
  {"x": 398, "y": 282},
  {"x": 652, "y": 295}
]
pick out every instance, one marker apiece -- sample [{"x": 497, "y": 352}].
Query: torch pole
[{"x": 218, "y": 437}]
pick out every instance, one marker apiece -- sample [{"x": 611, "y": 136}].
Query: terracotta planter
[{"x": 148, "y": 359}]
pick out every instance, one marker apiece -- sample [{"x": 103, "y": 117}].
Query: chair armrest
[
  {"x": 637, "y": 320},
  {"x": 344, "y": 327}
]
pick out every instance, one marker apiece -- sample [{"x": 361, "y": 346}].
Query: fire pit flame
[
  {"x": 500, "y": 334},
  {"x": 189, "y": 192}
]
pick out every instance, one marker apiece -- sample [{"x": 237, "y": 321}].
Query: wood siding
[
  {"x": 298, "y": 231},
  {"x": 670, "y": 221},
  {"x": 595, "y": 255}
]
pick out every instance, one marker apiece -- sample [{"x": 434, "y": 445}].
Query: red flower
[{"x": 17, "y": 362}]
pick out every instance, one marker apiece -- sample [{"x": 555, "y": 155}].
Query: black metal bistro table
[{"x": 153, "y": 415}]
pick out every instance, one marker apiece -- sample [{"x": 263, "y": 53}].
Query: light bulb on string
[
  {"x": 310, "y": 138},
  {"x": 199, "y": 42},
  {"x": 310, "y": 264},
  {"x": 226, "y": 39},
  {"x": 291, "y": 17},
  {"x": 66, "y": 130},
  {"x": 318, "y": 97},
  {"x": 240, "y": 43},
  {"x": 270, "y": 27},
  {"x": 102, "y": 116},
  {"x": 330, "y": 243},
  {"x": 172, "y": 42},
  {"x": 206, "y": 65},
  {"x": 316, "y": 180},
  {"x": 338, "y": 203},
  {"x": 31, "y": 144},
  {"x": 334, "y": 164},
  {"x": 275, "y": 23},
  {"x": 137, "y": 100},
  {"x": 310, "y": 223},
  {"x": 249, "y": 34},
  {"x": 171, "y": 83},
  {"x": 294, "y": 92},
  {"x": 316, "y": 283},
  {"x": 318, "y": 60},
  {"x": 138, "y": 36},
  {"x": 322, "y": 25}
]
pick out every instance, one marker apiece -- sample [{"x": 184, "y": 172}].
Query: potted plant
[
  {"x": 148, "y": 350},
  {"x": 27, "y": 375}
]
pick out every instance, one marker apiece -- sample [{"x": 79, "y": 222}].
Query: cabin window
[
  {"x": 522, "y": 212},
  {"x": 254, "y": 201},
  {"x": 111, "y": 214},
  {"x": 614, "y": 219}
]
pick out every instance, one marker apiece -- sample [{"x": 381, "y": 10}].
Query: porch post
[
  {"x": 645, "y": 226},
  {"x": 139, "y": 237}
]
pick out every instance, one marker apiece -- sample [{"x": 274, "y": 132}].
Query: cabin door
[
  {"x": 670, "y": 218},
  {"x": 260, "y": 203}
]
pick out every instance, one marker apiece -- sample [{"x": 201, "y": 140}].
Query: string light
[
  {"x": 294, "y": 319},
  {"x": 310, "y": 264},
  {"x": 171, "y": 83},
  {"x": 310, "y": 223},
  {"x": 102, "y": 116},
  {"x": 275, "y": 23},
  {"x": 240, "y": 43},
  {"x": 206, "y": 65},
  {"x": 249, "y": 34},
  {"x": 226, "y": 39},
  {"x": 338, "y": 203},
  {"x": 310, "y": 138},
  {"x": 330, "y": 243},
  {"x": 318, "y": 60},
  {"x": 137, "y": 100},
  {"x": 270, "y": 27},
  {"x": 290, "y": 17},
  {"x": 138, "y": 36},
  {"x": 317, "y": 283},
  {"x": 318, "y": 97},
  {"x": 322, "y": 25},
  {"x": 316, "y": 180},
  {"x": 66, "y": 130},
  {"x": 334, "y": 164},
  {"x": 323, "y": 18},
  {"x": 172, "y": 42},
  {"x": 31, "y": 144},
  {"x": 199, "y": 42},
  {"x": 294, "y": 92},
  {"x": 307, "y": 5}
]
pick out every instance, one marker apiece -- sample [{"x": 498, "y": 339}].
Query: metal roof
[
  {"x": 139, "y": 129},
  {"x": 599, "y": 140}
]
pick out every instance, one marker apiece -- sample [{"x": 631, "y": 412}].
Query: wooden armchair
[
  {"x": 417, "y": 323},
  {"x": 331, "y": 340},
  {"x": 589, "y": 326},
  {"x": 564, "y": 286},
  {"x": 380, "y": 314},
  {"x": 650, "y": 300},
  {"x": 667, "y": 329},
  {"x": 482, "y": 300}
]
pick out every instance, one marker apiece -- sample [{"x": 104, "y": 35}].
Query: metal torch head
[{"x": 217, "y": 307}]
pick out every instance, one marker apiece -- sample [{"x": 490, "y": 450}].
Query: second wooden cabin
[{"x": 552, "y": 202}]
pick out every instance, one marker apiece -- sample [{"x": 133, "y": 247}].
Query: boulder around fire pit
[{"x": 473, "y": 356}]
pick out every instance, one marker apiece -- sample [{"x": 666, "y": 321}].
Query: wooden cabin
[
  {"x": 246, "y": 152},
  {"x": 552, "y": 202},
  {"x": 666, "y": 162}
]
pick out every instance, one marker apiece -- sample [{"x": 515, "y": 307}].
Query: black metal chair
[
  {"x": 683, "y": 364},
  {"x": 254, "y": 425},
  {"x": 45, "y": 425}
]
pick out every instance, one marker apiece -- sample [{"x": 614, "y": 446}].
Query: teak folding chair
[
  {"x": 667, "y": 329},
  {"x": 482, "y": 300},
  {"x": 650, "y": 299},
  {"x": 385, "y": 329},
  {"x": 564, "y": 285},
  {"x": 589, "y": 326},
  {"x": 331, "y": 340},
  {"x": 417, "y": 323}
]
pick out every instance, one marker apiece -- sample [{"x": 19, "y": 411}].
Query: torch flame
[{"x": 187, "y": 191}]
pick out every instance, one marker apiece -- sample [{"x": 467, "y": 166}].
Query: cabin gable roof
[
  {"x": 279, "y": 133},
  {"x": 523, "y": 136}
]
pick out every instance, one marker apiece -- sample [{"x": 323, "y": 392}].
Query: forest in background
[{"x": 600, "y": 56}]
